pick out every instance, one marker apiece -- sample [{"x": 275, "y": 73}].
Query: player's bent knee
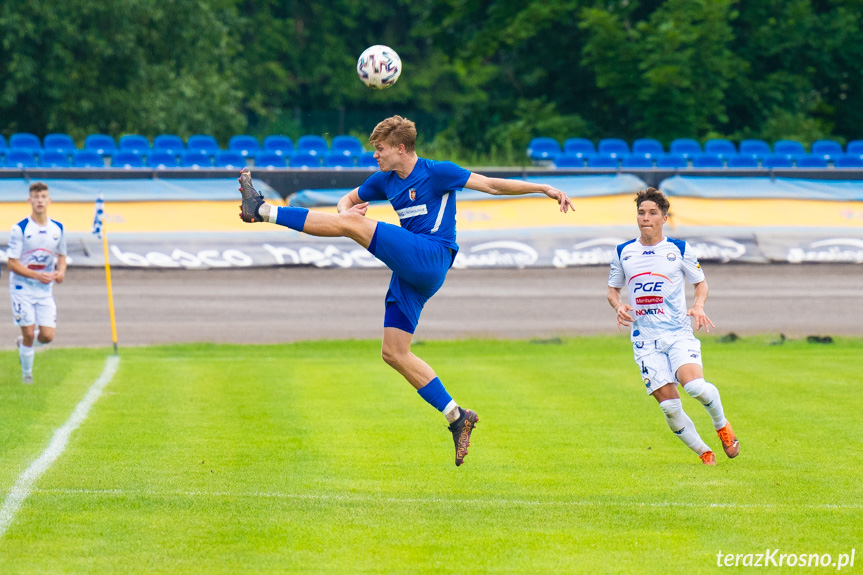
[{"x": 671, "y": 408}]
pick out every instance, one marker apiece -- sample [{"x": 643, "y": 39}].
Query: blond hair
[{"x": 395, "y": 131}]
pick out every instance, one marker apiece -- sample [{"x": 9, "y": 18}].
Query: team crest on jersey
[
  {"x": 413, "y": 193},
  {"x": 671, "y": 257}
]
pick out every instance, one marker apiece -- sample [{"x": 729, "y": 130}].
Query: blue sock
[
  {"x": 294, "y": 218},
  {"x": 434, "y": 393}
]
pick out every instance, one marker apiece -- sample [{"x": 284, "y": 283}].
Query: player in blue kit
[
  {"x": 419, "y": 252},
  {"x": 654, "y": 269}
]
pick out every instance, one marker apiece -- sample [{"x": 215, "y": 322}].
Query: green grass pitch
[{"x": 318, "y": 458}]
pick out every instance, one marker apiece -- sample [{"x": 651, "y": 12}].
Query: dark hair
[
  {"x": 38, "y": 187},
  {"x": 394, "y": 131},
  {"x": 653, "y": 195}
]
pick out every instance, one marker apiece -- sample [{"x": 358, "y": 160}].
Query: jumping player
[
  {"x": 419, "y": 252},
  {"x": 653, "y": 269}
]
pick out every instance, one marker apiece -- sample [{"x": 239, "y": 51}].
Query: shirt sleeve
[
  {"x": 16, "y": 240},
  {"x": 372, "y": 189},
  {"x": 691, "y": 267},
  {"x": 448, "y": 177},
  {"x": 616, "y": 277},
  {"x": 61, "y": 245}
]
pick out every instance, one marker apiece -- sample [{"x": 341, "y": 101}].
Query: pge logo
[{"x": 648, "y": 286}]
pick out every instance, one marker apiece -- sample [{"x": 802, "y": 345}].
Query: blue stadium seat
[
  {"x": 848, "y": 161},
  {"x": 169, "y": 144},
  {"x": 367, "y": 160},
  {"x": 854, "y": 147},
  {"x": 581, "y": 147},
  {"x": 126, "y": 159},
  {"x": 313, "y": 145},
  {"x": 637, "y": 161},
  {"x": 305, "y": 160},
  {"x": 707, "y": 160},
  {"x": 270, "y": 160},
  {"x": 246, "y": 146},
  {"x": 230, "y": 159},
  {"x": 21, "y": 159},
  {"x": 3, "y": 146},
  {"x": 25, "y": 142},
  {"x": 743, "y": 161},
  {"x": 60, "y": 143},
  {"x": 614, "y": 147},
  {"x": 811, "y": 161},
  {"x": 55, "y": 159},
  {"x": 672, "y": 161},
  {"x": 686, "y": 147},
  {"x": 543, "y": 149},
  {"x": 134, "y": 143},
  {"x": 202, "y": 144},
  {"x": 196, "y": 159},
  {"x": 102, "y": 144},
  {"x": 571, "y": 160},
  {"x": 279, "y": 145},
  {"x": 87, "y": 159},
  {"x": 347, "y": 146},
  {"x": 162, "y": 160},
  {"x": 647, "y": 147},
  {"x": 791, "y": 149},
  {"x": 603, "y": 161},
  {"x": 774, "y": 161},
  {"x": 757, "y": 149},
  {"x": 720, "y": 147},
  {"x": 339, "y": 160},
  {"x": 827, "y": 149}
]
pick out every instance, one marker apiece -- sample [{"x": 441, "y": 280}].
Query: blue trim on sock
[
  {"x": 292, "y": 217},
  {"x": 394, "y": 317},
  {"x": 434, "y": 393}
]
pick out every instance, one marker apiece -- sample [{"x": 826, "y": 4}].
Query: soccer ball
[{"x": 379, "y": 67}]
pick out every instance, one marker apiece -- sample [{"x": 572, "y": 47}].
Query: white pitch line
[{"x": 24, "y": 484}]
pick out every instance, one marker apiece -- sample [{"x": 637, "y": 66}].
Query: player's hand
[
  {"x": 701, "y": 319},
  {"x": 357, "y": 209},
  {"x": 45, "y": 277},
  {"x": 562, "y": 199},
  {"x": 623, "y": 318},
  {"x": 59, "y": 277}
]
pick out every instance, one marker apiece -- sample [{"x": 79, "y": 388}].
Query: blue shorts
[{"x": 419, "y": 267}]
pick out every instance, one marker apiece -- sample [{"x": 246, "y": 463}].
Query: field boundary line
[{"x": 25, "y": 482}]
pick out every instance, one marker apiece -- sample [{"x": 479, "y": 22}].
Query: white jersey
[
  {"x": 37, "y": 248},
  {"x": 654, "y": 277}
]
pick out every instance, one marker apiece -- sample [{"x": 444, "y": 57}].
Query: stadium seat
[
  {"x": 279, "y": 145},
  {"x": 855, "y": 148},
  {"x": 25, "y": 142},
  {"x": 3, "y": 146},
  {"x": 637, "y": 161},
  {"x": 686, "y": 147},
  {"x": 827, "y": 149},
  {"x": 720, "y": 147},
  {"x": 21, "y": 159},
  {"x": 270, "y": 160},
  {"x": 126, "y": 159},
  {"x": 543, "y": 149},
  {"x": 55, "y": 159},
  {"x": 581, "y": 147},
  {"x": 614, "y": 147},
  {"x": 202, "y": 144},
  {"x": 162, "y": 160},
  {"x": 571, "y": 160},
  {"x": 347, "y": 146},
  {"x": 774, "y": 161},
  {"x": 707, "y": 160},
  {"x": 810, "y": 161},
  {"x": 647, "y": 147},
  {"x": 312, "y": 145},
  {"x": 87, "y": 159},
  {"x": 367, "y": 160},
  {"x": 603, "y": 161},
  {"x": 672, "y": 161},
  {"x": 134, "y": 143},
  {"x": 743, "y": 161},
  {"x": 339, "y": 160},
  {"x": 60, "y": 143},
  {"x": 229, "y": 159},
  {"x": 848, "y": 161},
  {"x": 246, "y": 146},
  {"x": 305, "y": 160},
  {"x": 196, "y": 159},
  {"x": 169, "y": 144},
  {"x": 102, "y": 144},
  {"x": 757, "y": 149},
  {"x": 791, "y": 149}
]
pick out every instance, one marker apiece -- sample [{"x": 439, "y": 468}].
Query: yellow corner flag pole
[{"x": 98, "y": 229}]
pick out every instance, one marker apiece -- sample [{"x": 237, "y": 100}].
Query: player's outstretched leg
[
  {"x": 461, "y": 429},
  {"x": 708, "y": 395},
  {"x": 252, "y": 199},
  {"x": 25, "y": 357},
  {"x": 683, "y": 428}
]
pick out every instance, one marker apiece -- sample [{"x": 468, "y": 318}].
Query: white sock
[
  {"x": 451, "y": 411},
  {"x": 682, "y": 426},
  {"x": 708, "y": 395},
  {"x": 274, "y": 214},
  {"x": 26, "y": 354}
]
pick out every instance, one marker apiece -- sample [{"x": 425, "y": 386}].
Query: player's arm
[
  {"x": 504, "y": 187},
  {"x": 697, "y": 309},
  {"x": 60, "y": 269},
  {"x": 351, "y": 202},
  {"x": 623, "y": 318},
  {"x": 16, "y": 266}
]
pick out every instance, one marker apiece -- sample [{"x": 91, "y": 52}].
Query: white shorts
[
  {"x": 29, "y": 310},
  {"x": 659, "y": 360}
]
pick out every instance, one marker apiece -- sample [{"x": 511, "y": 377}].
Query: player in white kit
[
  {"x": 654, "y": 270},
  {"x": 37, "y": 259}
]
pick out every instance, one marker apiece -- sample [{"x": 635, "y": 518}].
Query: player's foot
[
  {"x": 729, "y": 441},
  {"x": 27, "y": 379},
  {"x": 252, "y": 199},
  {"x": 461, "y": 429},
  {"x": 707, "y": 458}
]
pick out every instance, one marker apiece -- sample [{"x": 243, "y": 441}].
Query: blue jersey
[{"x": 424, "y": 201}]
